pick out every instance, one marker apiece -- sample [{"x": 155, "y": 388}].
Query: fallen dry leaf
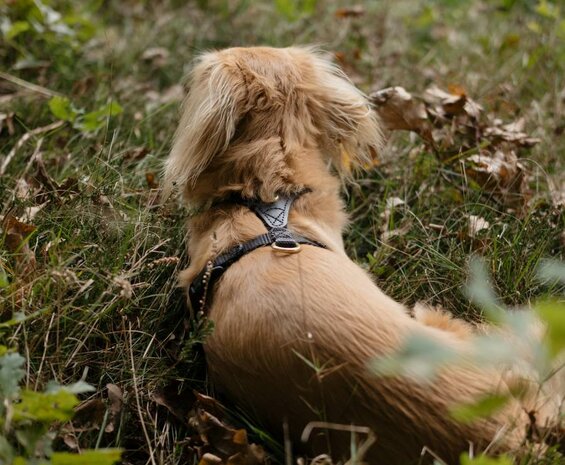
[
  {"x": 476, "y": 224},
  {"x": 388, "y": 234},
  {"x": 46, "y": 188},
  {"x": 89, "y": 414},
  {"x": 221, "y": 442},
  {"x": 210, "y": 404},
  {"x": 399, "y": 110},
  {"x": 16, "y": 234},
  {"x": 126, "y": 289},
  {"x": 70, "y": 441},
  {"x": 323, "y": 459},
  {"x": 501, "y": 173},
  {"x": 473, "y": 109},
  {"x": 23, "y": 190},
  {"x": 456, "y": 89},
  {"x": 136, "y": 154},
  {"x": 390, "y": 205},
  {"x": 512, "y": 132},
  {"x": 116, "y": 401},
  {"x": 156, "y": 55},
  {"x": 558, "y": 195},
  {"x": 151, "y": 181},
  {"x": 456, "y": 127},
  {"x": 176, "y": 401},
  {"x": 7, "y": 120},
  {"x": 454, "y": 102},
  {"x": 209, "y": 459},
  {"x": 350, "y": 12},
  {"x": 30, "y": 212}
]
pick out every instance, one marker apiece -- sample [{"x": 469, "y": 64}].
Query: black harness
[{"x": 279, "y": 237}]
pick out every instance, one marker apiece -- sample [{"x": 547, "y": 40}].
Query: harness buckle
[{"x": 290, "y": 249}]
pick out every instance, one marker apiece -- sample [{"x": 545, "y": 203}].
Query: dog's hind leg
[{"x": 441, "y": 319}]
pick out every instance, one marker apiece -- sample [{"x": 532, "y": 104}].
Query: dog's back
[{"x": 295, "y": 334}]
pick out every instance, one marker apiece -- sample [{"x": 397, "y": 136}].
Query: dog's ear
[
  {"x": 349, "y": 128},
  {"x": 210, "y": 113}
]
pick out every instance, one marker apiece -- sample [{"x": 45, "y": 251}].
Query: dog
[{"x": 297, "y": 323}]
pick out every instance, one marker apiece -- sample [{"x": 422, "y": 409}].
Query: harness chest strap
[{"x": 275, "y": 217}]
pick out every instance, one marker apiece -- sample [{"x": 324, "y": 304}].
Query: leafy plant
[
  {"x": 28, "y": 419},
  {"x": 28, "y": 26},
  {"x": 62, "y": 108},
  {"x": 295, "y": 9}
]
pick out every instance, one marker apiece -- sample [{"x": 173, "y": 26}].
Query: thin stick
[
  {"x": 44, "y": 355},
  {"x": 335, "y": 426},
  {"x": 28, "y": 135},
  {"x": 425, "y": 450},
  {"x": 287, "y": 444},
  {"x": 29, "y": 85},
  {"x": 139, "y": 412}
]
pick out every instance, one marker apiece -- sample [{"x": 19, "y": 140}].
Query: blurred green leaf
[
  {"x": 547, "y": 9},
  {"x": 551, "y": 270},
  {"x": 480, "y": 292},
  {"x": 79, "y": 387},
  {"x": 96, "y": 119},
  {"x": 561, "y": 29},
  {"x": 510, "y": 40},
  {"x": 45, "y": 407},
  {"x": 534, "y": 26},
  {"x": 426, "y": 18},
  {"x": 87, "y": 457},
  {"x": 48, "y": 14},
  {"x": 20, "y": 317},
  {"x": 62, "y": 108},
  {"x": 492, "y": 349},
  {"x": 483, "y": 407},
  {"x": 4, "y": 282},
  {"x": 485, "y": 460},
  {"x": 294, "y": 9},
  {"x": 30, "y": 436},
  {"x": 83, "y": 27},
  {"x": 552, "y": 313},
  {"x": 6, "y": 451},
  {"x": 419, "y": 357},
  {"x": 16, "y": 28},
  {"x": 11, "y": 373}
]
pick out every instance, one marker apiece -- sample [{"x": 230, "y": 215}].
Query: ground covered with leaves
[{"x": 473, "y": 93}]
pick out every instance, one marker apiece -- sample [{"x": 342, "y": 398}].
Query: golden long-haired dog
[{"x": 294, "y": 333}]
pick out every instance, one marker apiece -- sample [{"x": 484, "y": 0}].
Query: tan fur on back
[{"x": 262, "y": 122}]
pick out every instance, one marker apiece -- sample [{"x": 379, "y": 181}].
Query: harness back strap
[{"x": 275, "y": 218}]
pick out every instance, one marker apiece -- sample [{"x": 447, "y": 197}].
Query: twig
[
  {"x": 44, "y": 355},
  {"x": 287, "y": 444},
  {"x": 138, "y": 404},
  {"x": 427, "y": 450},
  {"x": 28, "y": 135},
  {"x": 29, "y": 85},
  {"x": 335, "y": 426},
  {"x": 363, "y": 448}
]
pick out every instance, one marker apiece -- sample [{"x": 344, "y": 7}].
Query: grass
[{"x": 102, "y": 289}]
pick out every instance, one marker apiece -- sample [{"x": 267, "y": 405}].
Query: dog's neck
[{"x": 318, "y": 214}]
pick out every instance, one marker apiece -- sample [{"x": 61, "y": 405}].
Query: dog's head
[{"x": 252, "y": 113}]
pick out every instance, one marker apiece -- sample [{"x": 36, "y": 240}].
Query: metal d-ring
[{"x": 289, "y": 250}]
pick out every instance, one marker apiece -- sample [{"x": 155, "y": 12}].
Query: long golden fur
[{"x": 294, "y": 334}]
